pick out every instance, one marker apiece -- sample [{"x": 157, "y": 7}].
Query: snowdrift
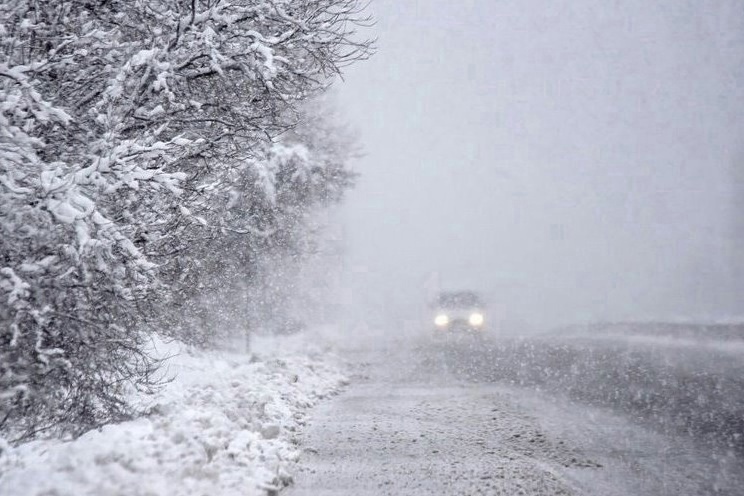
[{"x": 224, "y": 425}]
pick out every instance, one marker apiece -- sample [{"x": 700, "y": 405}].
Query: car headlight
[
  {"x": 476, "y": 319},
  {"x": 441, "y": 320}
]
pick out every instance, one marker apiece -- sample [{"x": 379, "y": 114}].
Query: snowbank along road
[
  {"x": 610, "y": 410},
  {"x": 222, "y": 427}
]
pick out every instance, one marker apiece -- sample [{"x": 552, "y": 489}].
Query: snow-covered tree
[
  {"x": 245, "y": 267},
  {"x": 122, "y": 127}
]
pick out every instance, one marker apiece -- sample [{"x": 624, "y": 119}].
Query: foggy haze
[
  {"x": 534, "y": 287},
  {"x": 572, "y": 159}
]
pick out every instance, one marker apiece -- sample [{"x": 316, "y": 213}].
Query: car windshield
[{"x": 459, "y": 299}]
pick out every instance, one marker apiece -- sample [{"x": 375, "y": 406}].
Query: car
[{"x": 459, "y": 311}]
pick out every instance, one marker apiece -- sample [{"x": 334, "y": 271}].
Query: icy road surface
[{"x": 581, "y": 415}]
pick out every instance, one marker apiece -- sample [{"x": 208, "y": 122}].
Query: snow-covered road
[{"x": 421, "y": 419}]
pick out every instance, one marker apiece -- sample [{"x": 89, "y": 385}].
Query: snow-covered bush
[
  {"x": 243, "y": 272},
  {"x": 123, "y": 125}
]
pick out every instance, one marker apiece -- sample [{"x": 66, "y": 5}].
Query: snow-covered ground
[
  {"x": 224, "y": 426},
  {"x": 559, "y": 416},
  {"x": 535, "y": 417}
]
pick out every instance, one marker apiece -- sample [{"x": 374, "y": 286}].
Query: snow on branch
[{"x": 125, "y": 127}]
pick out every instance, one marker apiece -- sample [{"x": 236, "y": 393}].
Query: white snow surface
[{"x": 224, "y": 426}]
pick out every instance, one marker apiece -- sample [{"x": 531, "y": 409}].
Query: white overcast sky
[{"x": 570, "y": 158}]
